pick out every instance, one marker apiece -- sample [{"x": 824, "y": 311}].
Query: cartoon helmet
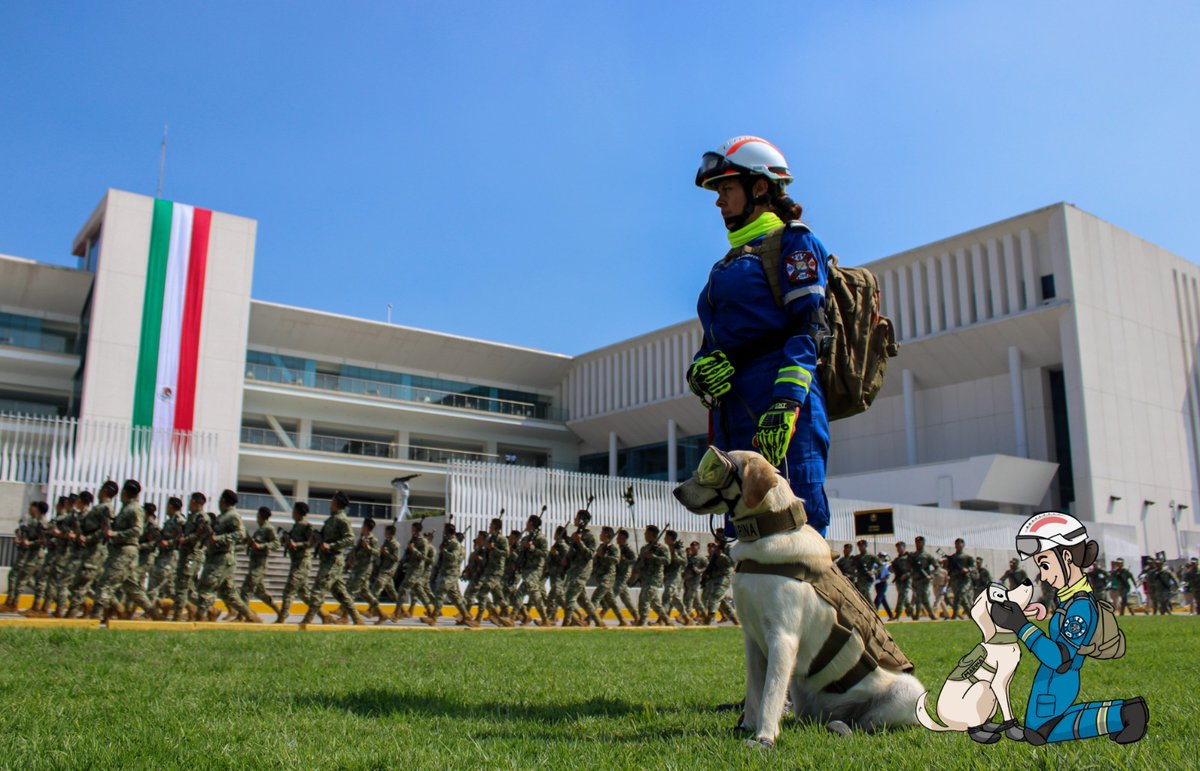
[
  {"x": 1049, "y": 529},
  {"x": 743, "y": 155}
]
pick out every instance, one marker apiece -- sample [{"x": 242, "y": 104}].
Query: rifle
[{"x": 105, "y": 522}]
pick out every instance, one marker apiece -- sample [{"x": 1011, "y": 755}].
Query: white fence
[
  {"x": 476, "y": 492},
  {"x": 66, "y": 455}
]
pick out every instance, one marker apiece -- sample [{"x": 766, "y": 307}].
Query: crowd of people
[
  {"x": 107, "y": 556},
  {"x": 944, "y": 586}
]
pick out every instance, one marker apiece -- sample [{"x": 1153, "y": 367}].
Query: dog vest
[{"x": 854, "y": 614}]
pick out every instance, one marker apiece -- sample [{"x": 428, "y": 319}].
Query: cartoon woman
[{"x": 1059, "y": 546}]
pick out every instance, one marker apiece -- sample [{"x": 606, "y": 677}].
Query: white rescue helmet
[
  {"x": 1047, "y": 530},
  {"x": 743, "y": 155}
]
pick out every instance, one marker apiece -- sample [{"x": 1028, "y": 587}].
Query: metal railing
[
  {"x": 320, "y": 507},
  {"x": 403, "y": 393},
  {"x": 368, "y": 448}
]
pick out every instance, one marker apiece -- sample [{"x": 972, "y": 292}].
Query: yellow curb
[
  {"x": 353, "y": 628},
  {"x": 50, "y": 623},
  {"x": 236, "y": 627},
  {"x": 147, "y": 626}
]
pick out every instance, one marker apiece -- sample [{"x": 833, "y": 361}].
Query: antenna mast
[{"x": 162, "y": 162}]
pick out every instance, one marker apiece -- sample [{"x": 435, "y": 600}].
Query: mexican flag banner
[{"x": 169, "y": 348}]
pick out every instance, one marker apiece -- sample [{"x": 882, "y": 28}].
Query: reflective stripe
[
  {"x": 1102, "y": 720},
  {"x": 803, "y": 291},
  {"x": 1030, "y": 632},
  {"x": 800, "y": 377},
  {"x": 793, "y": 381}
]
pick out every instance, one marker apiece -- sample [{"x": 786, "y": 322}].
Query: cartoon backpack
[{"x": 1108, "y": 642}]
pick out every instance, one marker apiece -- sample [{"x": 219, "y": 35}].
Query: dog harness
[
  {"x": 771, "y": 523},
  {"x": 853, "y": 615}
]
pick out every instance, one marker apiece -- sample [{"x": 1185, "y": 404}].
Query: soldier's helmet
[{"x": 1047, "y": 530}]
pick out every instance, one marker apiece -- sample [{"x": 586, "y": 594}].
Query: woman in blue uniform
[
  {"x": 1059, "y": 546},
  {"x": 757, "y": 367}
]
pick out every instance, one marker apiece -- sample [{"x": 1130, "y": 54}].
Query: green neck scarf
[{"x": 766, "y": 222}]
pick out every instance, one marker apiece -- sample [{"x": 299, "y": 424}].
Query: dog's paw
[
  {"x": 838, "y": 727},
  {"x": 760, "y": 744}
]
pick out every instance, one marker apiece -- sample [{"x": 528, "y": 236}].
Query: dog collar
[
  {"x": 763, "y": 525},
  {"x": 1003, "y": 638}
]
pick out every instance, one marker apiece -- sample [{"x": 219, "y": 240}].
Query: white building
[{"x": 1048, "y": 360}]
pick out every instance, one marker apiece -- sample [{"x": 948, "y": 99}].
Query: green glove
[
  {"x": 709, "y": 377},
  {"x": 775, "y": 430}
]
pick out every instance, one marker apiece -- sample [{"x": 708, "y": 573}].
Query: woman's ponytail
[{"x": 784, "y": 207}]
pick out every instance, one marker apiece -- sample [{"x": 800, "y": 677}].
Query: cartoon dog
[
  {"x": 980, "y": 681},
  {"x": 807, "y": 630}
]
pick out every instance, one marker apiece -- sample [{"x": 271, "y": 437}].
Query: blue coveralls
[
  {"x": 1052, "y": 710},
  {"x": 774, "y": 355}
]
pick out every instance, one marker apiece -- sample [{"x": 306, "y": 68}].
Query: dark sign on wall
[{"x": 874, "y": 522}]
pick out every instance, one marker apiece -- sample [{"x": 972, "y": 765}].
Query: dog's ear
[{"x": 758, "y": 477}]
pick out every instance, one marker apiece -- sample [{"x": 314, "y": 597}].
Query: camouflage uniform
[
  {"x": 960, "y": 566},
  {"x": 121, "y": 569},
  {"x": 1120, "y": 584},
  {"x": 445, "y": 586},
  {"x": 981, "y": 579},
  {"x": 417, "y": 558},
  {"x": 50, "y": 563},
  {"x": 1014, "y": 577},
  {"x": 162, "y": 574},
  {"x": 845, "y": 564},
  {"x": 297, "y": 550},
  {"x": 362, "y": 562},
  {"x": 69, "y": 563},
  {"x": 692, "y": 572},
  {"x": 384, "y": 585},
  {"x": 924, "y": 566},
  {"x": 190, "y": 558},
  {"x": 1191, "y": 583},
  {"x": 621, "y": 586},
  {"x": 29, "y": 561},
  {"x": 532, "y": 553},
  {"x": 672, "y": 596},
  {"x": 490, "y": 591},
  {"x": 556, "y": 573},
  {"x": 716, "y": 587},
  {"x": 220, "y": 563},
  {"x": 337, "y": 536},
  {"x": 651, "y": 562},
  {"x": 95, "y": 554},
  {"x": 579, "y": 570},
  {"x": 604, "y": 571},
  {"x": 865, "y": 566},
  {"x": 902, "y": 571},
  {"x": 266, "y": 538},
  {"x": 473, "y": 575}
]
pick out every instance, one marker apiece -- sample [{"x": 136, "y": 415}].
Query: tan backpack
[
  {"x": 855, "y": 342},
  {"x": 1108, "y": 641}
]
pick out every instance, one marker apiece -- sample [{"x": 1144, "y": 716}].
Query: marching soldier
[
  {"x": 162, "y": 572},
  {"x": 334, "y": 537},
  {"x": 415, "y": 564},
  {"x": 924, "y": 568},
  {"x": 491, "y": 581},
  {"x": 121, "y": 568},
  {"x": 473, "y": 575},
  {"x": 1014, "y": 576},
  {"x": 51, "y": 561},
  {"x": 865, "y": 566},
  {"x": 73, "y": 551},
  {"x": 959, "y": 566},
  {"x": 716, "y": 585},
  {"x": 1191, "y": 583},
  {"x": 58, "y": 579},
  {"x": 902, "y": 572},
  {"x": 532, "y": 553},
  {"x": 982, "y": 578},
  {"x": 556, "y": 574},
  {"x": 445, "y": 585},
  {"x": 95, "y": 549},
  {"x": 297, "y": 547},
  {"x": 512, "y": 579},
  {"x": 673, "y": 578},
  {"x": 361, "y": 563},
  {"x": 648, "y": 572},
  {"x": 31, "y": 545},
  {"x": 692, "y": 572},
  {"x": 190, "y": 545},
  {"x": 1120, "y": 584},
  {"x": 579, "y": 570},
  {"x": 147, "y": 543},
  {"x": 845, "y": 563},
  {"x": 624, "y": 567},
  {"x": 258, "y": 548},
  {"x": 1097, "y": 578},
  {"x": 384, "y": 585},
  {"x": 220, "y": 563},
  {"x": 604, "y": 571}
]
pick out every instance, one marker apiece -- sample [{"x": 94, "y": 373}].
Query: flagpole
[{"x": 162, "y": 162}]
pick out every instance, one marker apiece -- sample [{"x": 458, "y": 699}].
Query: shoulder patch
[
  {"x": 1074, "y": 628},
  {"x": 801, "y": 267}
]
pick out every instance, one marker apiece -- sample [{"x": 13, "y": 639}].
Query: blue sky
[{"x": 522, "y": 172}]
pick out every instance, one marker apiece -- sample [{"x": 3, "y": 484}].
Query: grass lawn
[{"x": 506, "y": 699}]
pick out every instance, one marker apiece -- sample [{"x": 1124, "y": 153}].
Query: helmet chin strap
[{"x": 752, "y": 202}]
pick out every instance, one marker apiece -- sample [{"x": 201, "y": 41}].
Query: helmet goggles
[
  {"x": 717, "y": 470},
  {"x": 714, "y": 166}
]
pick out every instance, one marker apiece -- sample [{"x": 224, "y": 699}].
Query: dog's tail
[{"x": 928, "y": 720}]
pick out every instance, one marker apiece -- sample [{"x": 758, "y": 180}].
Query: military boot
[
  {"x": 251, "y": 617},
  {"x": 308, "y": 617},
  {"x": 430, "y": 620},
  {"x": 594, "y": 617},
  {"x": 281, "y": 617},
  {"x": 356, "y": 617},
  {"x": 621, "y": 620},
  {"x": 325, "y": 617},
  {"x": 214, "y": 614}
]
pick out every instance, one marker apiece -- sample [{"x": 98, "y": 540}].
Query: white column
[
  {"x": 935, "y": 309},
  {"x": 1032, "y": 279},
  {"x": 304, "y": 435},
  {"x": 1011, "y": 277},
  {"x": 612, "y": 453},
  {"x": 1018, "y": 400},
  {"x": 910, "y": 417},
  {"x": 403, "y": 440},
  {"x": 919, "y": 306},
  {"x": 905, "y": 329},
  {"x": 672, "y": 453},
  {"x": 948, "y": 295},
  {"x": 981, "y": 290},
  {"x": 995, "y": 288},
  {"x": 964, "y": 289},
  {"x": 301, "y": 490}
]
